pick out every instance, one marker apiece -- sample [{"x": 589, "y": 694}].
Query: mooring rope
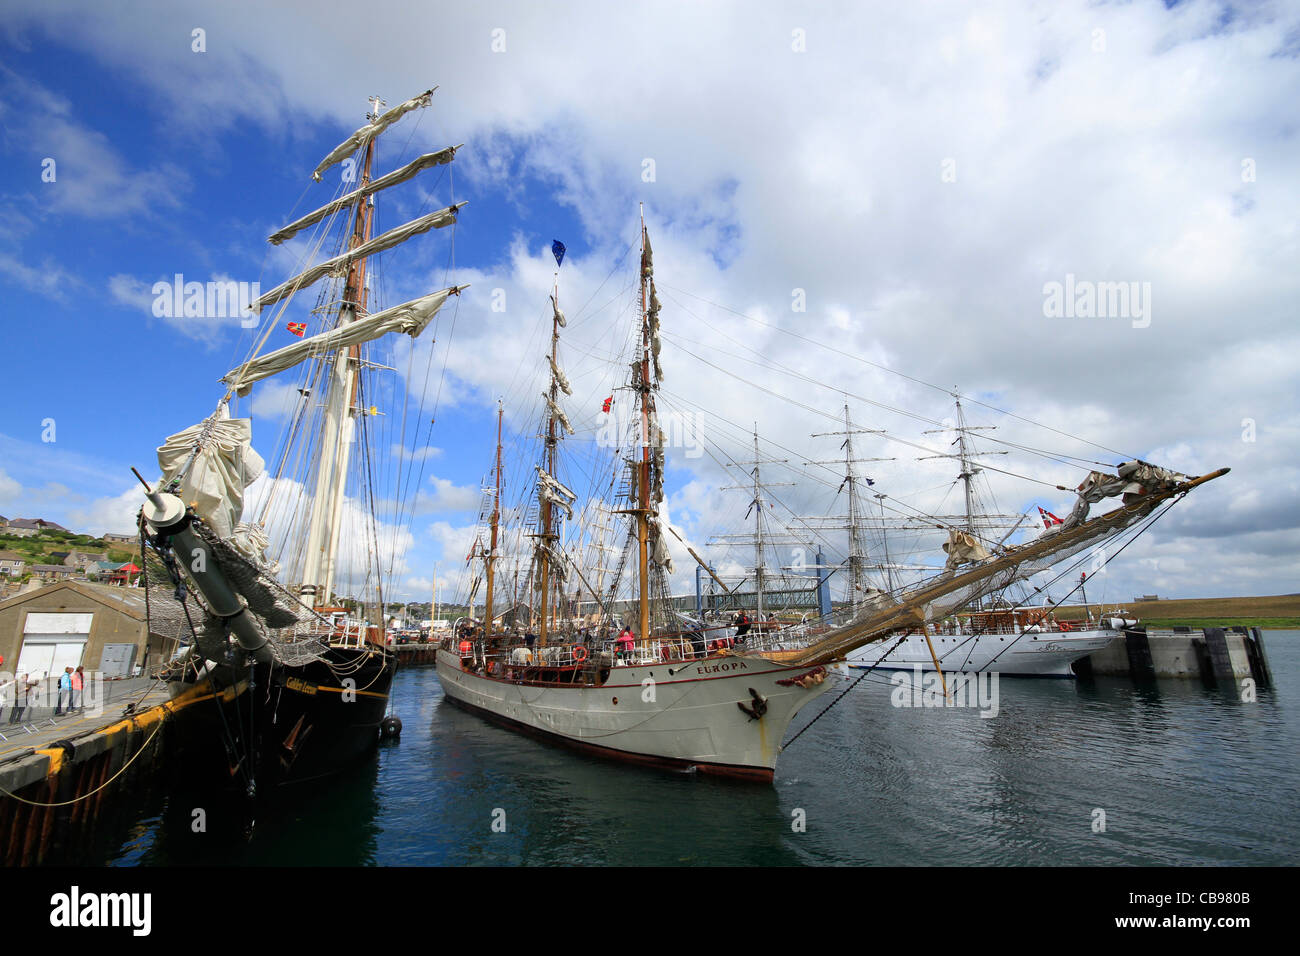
[{"x": 67, "y": 803}]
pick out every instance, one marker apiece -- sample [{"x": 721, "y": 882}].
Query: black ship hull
[{"x": 277, "y": 725}]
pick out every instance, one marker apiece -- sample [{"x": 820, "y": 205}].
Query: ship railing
[{"x": 350, "y": 634}]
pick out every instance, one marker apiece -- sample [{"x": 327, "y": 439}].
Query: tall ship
[
  {"x": 276, "y": 576},
  {"x": 619, "y": 670},
  {"x": 1007, "y": 637}
]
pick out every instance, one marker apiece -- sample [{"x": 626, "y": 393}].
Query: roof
[
  {"x": 53, "y": 567},
  {"x": 130, "y": 601},
  {"x": 12, "y": 556},
  {"x": 38, "y": 523}
]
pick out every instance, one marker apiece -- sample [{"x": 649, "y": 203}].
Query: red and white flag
[{"x": 1049, "y": 519}]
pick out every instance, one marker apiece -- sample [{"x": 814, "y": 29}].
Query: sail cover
[
  {"x": 963, "y": 548},
  {"x": 222, "y": 467},
  {"x": 357, "y": 139},
  {"x": 339, "y": 264},
  {"x": 409, "y": 317},
  {"x": 397, "y": 176}
]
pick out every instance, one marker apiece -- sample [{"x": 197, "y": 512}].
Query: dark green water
[{"x": 1184, "y": 774}]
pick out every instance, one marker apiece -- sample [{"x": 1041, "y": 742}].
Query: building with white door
[{"x": 74, "y": 623}]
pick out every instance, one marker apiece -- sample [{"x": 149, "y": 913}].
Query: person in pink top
[
  {"x": 625, "y": 641},
  {"x": 78, "y": 687}
]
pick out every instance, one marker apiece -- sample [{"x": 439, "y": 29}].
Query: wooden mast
[
  {"x": 496, "y": 518},
  {"x": 643, "y": 478},
  {"x": 546, "y": 515}
]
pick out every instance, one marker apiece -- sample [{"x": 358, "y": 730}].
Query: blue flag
[{"x": 557, "y": 248}]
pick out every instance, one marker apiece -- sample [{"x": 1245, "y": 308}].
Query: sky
[{"x": 870, "y": 204}]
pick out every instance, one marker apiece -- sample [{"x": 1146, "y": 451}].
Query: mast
[
  {"x": 338, "y": 432},
  {"x": 643, "y": 466},
  {"x": 546, "y": 533},
  {"x": 967, "y": 473},
  {"x": 757, "y": 506},
  {"x": 856, "y": 515},
  {"x": 496, "y": 517}
]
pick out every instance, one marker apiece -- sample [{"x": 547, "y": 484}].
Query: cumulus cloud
[{"x": 893, "y": 194}]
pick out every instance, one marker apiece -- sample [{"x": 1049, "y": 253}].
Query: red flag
[
  {"x": 608, "y": 402},
  {"x": 1049, "y": 519},
  {"x": 297, "y": 328}
]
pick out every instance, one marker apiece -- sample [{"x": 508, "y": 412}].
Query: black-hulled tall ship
[{"x": 278, "y": 588}]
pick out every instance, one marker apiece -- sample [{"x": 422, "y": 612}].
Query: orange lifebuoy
[
  {"x": 1065, "y": 625},
  {"x": 579, "y": 653}
]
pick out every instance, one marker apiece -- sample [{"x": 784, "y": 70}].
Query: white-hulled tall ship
[
  {"x": 279, "y": 599},
  {"x": 686, "y": 695}
]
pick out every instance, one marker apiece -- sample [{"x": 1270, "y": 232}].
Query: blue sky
[{"x": 794, "y": 149}]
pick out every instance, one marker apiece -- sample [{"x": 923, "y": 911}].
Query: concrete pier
[
  {"x": 1213, "y": 655},
  {"x": 57, "y": 774},
  {"x": 412, "y": 655}
]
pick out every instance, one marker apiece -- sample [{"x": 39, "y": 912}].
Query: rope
[
  {"x": 854, "y": 684},
  {"x": 66, "y": 803}
]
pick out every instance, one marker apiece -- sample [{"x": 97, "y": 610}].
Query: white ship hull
[
  {"x": 1029, "y": 654},
  {"x": 682, "y": 714}
]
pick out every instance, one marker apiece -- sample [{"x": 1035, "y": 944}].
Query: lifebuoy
[
  {"x": 579, "y": 653},
  {"x": 1065, "y": 625}
]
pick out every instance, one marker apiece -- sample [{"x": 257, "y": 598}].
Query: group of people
[{"x": 72, "y": 687}]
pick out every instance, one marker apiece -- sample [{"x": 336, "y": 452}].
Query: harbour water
[{"x": 1184, "y": 775}]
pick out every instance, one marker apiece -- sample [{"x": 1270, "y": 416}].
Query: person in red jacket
[{"x": 626, "y": 639}]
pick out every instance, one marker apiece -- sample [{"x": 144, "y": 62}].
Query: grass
[{"x": 1274, "y": 611}]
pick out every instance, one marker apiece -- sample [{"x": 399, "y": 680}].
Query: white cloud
[{"x": 824, "y": 171}]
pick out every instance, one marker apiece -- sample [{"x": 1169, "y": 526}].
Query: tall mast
[
  {"x": 496, "y": 518},
  {"x": 856, "y": 516},
  {"x": 967, "y": 472},
  {"x": 338, "y": 432},
  {"x": 546, "y": 535},
  {"x": 757, "y": 506},
  {"x": 643, "y": 467}
]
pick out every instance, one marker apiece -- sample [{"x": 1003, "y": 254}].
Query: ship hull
[
  {"x": 311, "y": 724},
  {"x": 1045, "y": 654},
  {"x": 682, "y": 715}
]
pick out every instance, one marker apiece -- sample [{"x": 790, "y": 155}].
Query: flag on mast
[
  {"x": 557, "y": 250},
  {"x": 297, "y": 328},
  {"x": 1049, "y": 519}
]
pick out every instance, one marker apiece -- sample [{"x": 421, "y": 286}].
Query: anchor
[{"x": 758, "y": 708}]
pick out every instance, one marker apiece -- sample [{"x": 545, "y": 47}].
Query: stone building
[{"x": 74, "y": 623}]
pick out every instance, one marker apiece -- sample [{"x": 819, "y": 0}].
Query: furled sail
[
  {"x": 372, "y": 129},
  {"x": 655, "y": 344},
  {"x": 547, "y": 494},
  {"x": 559, "y": 315},
  {"x": 221, "y": 464},
  {"x": 409, "y": 317},
  {"x": 340, "y": 264},
  {"x": 557, "y": 486},
  {"x": 556, "y": 563},
  {"x": 558, "y": 413},
  {"x": 1130, "y": 478},
  {"x": 963, "y": 548},
  {"x": 661, "y": 555},
  {"x": 397, "y": 176},
  {"x": 560, "y": 378}
]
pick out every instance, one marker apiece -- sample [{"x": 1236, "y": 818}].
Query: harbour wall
[
  {"x": 54, "y": 796},
  {"x": 1211, "y": 654}
]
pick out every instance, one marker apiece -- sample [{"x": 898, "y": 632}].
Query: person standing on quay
[
  {"x": 78, "y": 689},
  {"x": 65, "y": 692}
]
